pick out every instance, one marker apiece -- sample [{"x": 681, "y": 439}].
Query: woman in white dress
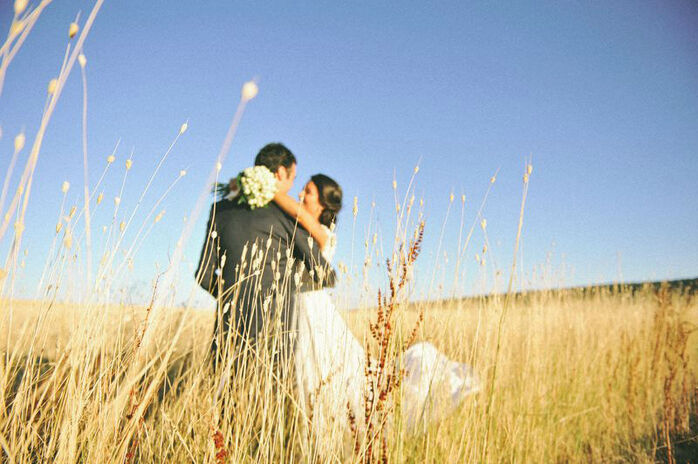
[{"x": 329, "y": 360}]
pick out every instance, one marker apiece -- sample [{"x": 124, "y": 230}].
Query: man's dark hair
[{"x": 273, "y": 156}]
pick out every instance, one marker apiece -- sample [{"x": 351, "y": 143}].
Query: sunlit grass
[{"x": 581, "y": 379}]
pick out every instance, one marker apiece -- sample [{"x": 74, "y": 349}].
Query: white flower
[{"x": 258, "y": 186}]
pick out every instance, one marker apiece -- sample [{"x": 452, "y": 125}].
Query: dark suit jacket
[{"x": 233, "y": 229}]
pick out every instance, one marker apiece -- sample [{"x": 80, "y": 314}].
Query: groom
[{"x": 248, "y": 264}]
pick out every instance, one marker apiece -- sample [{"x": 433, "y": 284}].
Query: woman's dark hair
[
  {"x": 273, "y": 156},
  {"x": 330, "y": 197}
]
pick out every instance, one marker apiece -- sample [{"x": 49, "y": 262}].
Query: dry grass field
[{"x": 580, "y": 378}]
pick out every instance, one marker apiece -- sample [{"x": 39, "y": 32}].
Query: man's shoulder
[
  {"x": 271, "y": 211},
  {"x": 274, "y": 209},
  {"x": 283, "y": 217},
  {"x": 268, "y": 214},
  {"x": 227, "y": 207}
]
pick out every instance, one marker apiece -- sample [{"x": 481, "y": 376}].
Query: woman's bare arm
[{"x": 305, "y": 219}]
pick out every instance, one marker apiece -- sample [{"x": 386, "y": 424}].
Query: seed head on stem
[
  {"x": 20, "y": 6},
  {"x": 249, "y": 90},
  {"x": 73, "y": 30},
  {"x": 16, "y": 28},
  {"x": 19, "y": 142}
]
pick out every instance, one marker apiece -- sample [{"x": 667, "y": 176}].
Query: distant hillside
[
  {"x": 689, "y": 286},
  {"x": 685, "y": 285}
]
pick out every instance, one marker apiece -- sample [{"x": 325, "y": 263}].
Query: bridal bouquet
[{"x": 254, "y": 186}]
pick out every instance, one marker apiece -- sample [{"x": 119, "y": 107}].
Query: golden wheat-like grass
[{"x": 582, "y": 378}]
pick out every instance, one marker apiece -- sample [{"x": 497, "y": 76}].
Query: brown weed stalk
[
  {"x": 219, "y": 445},
  {"x": 384, "y": 373}
]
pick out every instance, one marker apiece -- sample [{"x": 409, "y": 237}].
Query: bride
[{"x": 329, "y": 360}]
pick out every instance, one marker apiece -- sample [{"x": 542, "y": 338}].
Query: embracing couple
[{"x": 266, "y": 260}]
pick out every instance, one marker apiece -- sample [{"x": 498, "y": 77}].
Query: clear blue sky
[{"x": 602, "y": 95}]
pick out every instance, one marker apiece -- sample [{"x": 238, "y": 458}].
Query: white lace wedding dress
[{"x": 329, "y": 369}]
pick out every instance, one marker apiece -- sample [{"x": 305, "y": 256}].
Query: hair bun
[
  {"x": 334, "y": 199},
  {"x": 330, "y": 197}
]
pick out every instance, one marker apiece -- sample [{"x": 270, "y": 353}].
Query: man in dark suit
[{"x": 250, "y": 264}]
